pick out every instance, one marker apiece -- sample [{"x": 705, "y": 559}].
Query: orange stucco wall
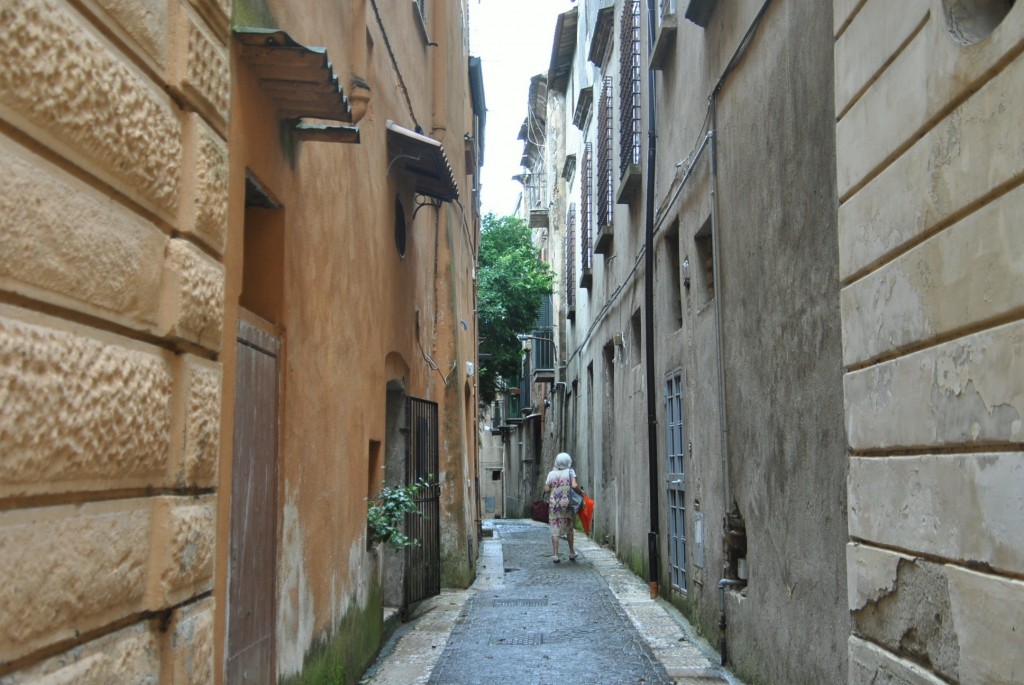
[{"x": 354, "y": 314}]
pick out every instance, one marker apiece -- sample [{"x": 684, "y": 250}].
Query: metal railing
[
  {"x": 605, "y": 190},
  {"x": 629, "y": 86},
  {"x": 586, "y": 249}
]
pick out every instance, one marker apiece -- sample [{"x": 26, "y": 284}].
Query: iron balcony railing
[
  {"x": 569, "y": 282},
  {"x": 542, "y": 351},
  {"x": 586, "y": 253},
  {"x": 629, "y": 86},
  {"x": 605, "y": 184}
]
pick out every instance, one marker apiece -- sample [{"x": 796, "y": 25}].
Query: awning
[
  {"x": 300, "y": 81},
  {"x": 563, "y": 50},
  {"x": 424, "y": 159}
]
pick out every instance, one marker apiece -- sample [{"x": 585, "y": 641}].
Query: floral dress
[{"x": 561, "y": 517}]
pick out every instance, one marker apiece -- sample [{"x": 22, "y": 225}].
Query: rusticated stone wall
[
  {"x": 930, "y": 161},
  {"x": 113, "y": 223}
]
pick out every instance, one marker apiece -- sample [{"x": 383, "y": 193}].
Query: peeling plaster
[
  {"x": 295, "y": 617},
  {"x": 915, "y": 619}
]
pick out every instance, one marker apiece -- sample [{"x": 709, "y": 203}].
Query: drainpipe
[
  {"x": 652, "y": 407},
  {"x": 722, "y": 584},
  {"x": 723, "y": 425}
]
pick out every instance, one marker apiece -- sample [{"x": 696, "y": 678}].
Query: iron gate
[{"x": 423, "y": 558}]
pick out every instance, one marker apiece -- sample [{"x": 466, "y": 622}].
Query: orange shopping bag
[{"x": 586, "y": 513}]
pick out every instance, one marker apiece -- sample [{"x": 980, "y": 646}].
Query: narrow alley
[{"x": 529, "y": 620}]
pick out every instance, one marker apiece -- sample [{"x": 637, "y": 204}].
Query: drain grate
[
  {"x": 520, "y": 602},
  {"x": 526, "y": 639}
]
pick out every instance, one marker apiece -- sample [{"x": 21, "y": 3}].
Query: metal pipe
[
  {"x": 652, "y": 406},
  {"x": 722, "y": 643},
  {"x": 723, "y": 426}
]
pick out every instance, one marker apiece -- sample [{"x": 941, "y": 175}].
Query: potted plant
[{"x": 385, "y": 516}]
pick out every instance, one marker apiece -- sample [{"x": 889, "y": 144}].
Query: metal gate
[
  {"x": 253, "y": 546},
  {"x": 423, "y": 559}
]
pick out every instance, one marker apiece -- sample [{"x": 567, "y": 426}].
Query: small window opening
[
  {"x": 399, "y": 227},
  {"x": 635, "y": 338},
  {"x": 971, "y": 21},
  {"x": 672, "y": 274},
  {"x": 706, "y": 258}
]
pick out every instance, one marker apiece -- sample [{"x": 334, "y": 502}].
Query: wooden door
[{"x": 253, "y": 554}]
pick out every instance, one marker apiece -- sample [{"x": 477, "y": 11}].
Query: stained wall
[{"x": 930, "y": 263}]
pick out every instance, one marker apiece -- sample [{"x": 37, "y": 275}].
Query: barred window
[
  {"x": 629, "y": 86},
  {"x": 586, "y": 180},
  {"x": 605, "y": 189},
  {"x": 570, "y": 257}
]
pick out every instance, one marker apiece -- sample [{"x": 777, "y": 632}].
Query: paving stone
[{"x": 527, "y": 620}]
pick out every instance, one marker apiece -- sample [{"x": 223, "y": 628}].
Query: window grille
[
  {"x": 570, "y": 257},
  {"x": 586, "y": 249},
  {"x": 605, "y": 189},
  {"x": 675, "y": 472},
  {"x": 629, "y": 86}
]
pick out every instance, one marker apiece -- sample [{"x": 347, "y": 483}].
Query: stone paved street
[{"x": 530, "y": 621}]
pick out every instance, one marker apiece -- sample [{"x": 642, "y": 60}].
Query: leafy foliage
[
  {"x": 386, "y": 514},
  {"x": 511, "y": 281}
]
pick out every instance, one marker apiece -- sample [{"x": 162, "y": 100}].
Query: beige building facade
[
  {"x": 237, "y": 297},
  {"x": 931, "y": 262},
  {"x": 835, "y": 493}
]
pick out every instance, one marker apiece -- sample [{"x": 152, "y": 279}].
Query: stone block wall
[
  {"x": 113, "y": 223},
  {"x": 930, "y": 164}
]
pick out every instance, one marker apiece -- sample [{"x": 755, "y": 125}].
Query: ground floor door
[
  {"x": 423, "y": 558},
  {"x": 253, "y": 549}
]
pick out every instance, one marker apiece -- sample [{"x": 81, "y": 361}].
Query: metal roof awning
[
  {"x": 425, "y": 159},
  {"x": 301, "y": 82}
]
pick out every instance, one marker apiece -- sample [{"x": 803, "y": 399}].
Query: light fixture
[{"x": 686, "y": 272}]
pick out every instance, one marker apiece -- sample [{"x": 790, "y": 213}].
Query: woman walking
[{"x": 561, "y": 515}]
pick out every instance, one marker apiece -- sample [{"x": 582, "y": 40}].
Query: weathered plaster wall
[
  {"x": 779, "y": 298},
  {"x": 356, "y": 315},
  {"x": 113, "y": 223},
  {"x": 929, "y": 242},
  {"x": 779, "y": 287}
]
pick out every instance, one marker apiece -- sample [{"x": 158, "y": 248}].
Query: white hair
[{"x": 563, "y": 461}]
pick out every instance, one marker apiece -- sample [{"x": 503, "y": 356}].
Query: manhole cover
[
  {"x": 527, "y": 639},
  {"x": 520, "y": 602}
]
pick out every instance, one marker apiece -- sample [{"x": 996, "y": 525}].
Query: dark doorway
[{"x": 423, "y": 558}]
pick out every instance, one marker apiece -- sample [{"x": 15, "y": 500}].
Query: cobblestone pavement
[{"x": 529, "y": 621}]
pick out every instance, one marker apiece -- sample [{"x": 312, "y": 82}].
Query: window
[
  {"x": 586, "y": 178},
  {"x": 675, "y": 474},
  {"x": 399, "y": 227},
  {"x": 970, "y": 21},
  {"x": 635, "y": 338},
  {"x": 706, "y": 258},
  {"x": 672, "y": 275},
  {"x": 569, "y": 284},
  {"x": 605, "y": 190},
  {"x": 629, "y": 86}
]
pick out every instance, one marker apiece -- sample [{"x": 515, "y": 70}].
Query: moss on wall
[
  {"x": 455, "y": 571},
  {"x": 342, "y": 657},
  {"x": 636, "y": 560},
  {"x": 252, "y": 14}
]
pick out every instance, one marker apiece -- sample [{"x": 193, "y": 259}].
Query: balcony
[{"x": 541, "y": 355}]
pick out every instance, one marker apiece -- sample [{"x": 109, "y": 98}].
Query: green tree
[{"x": 512, "y": 279}]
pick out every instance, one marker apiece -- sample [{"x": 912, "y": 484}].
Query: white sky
[{"x": 513, "y": 40}]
